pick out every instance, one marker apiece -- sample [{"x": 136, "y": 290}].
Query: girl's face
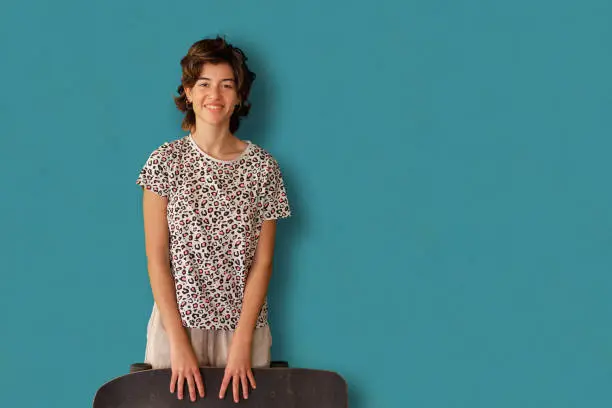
[{"x": 214, "y": 96}]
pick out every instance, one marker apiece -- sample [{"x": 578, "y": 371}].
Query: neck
[{"x": 213, "y": 139}]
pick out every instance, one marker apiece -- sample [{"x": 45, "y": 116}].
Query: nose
[{"x": 213, "y": 92}]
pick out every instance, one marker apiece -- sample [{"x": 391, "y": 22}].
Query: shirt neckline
[{"x": 209, "y": 157}]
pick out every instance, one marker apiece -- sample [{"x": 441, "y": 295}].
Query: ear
[{"x": 188, "y": 93}]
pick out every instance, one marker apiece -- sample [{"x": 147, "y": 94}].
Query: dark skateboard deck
[{"x": 276, "y": 388}]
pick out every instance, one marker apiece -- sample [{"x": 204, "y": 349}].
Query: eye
[{"x": 204, "y": 84}]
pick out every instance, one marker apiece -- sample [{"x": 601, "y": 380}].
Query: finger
[
  {"x": 191, "y": 384},
  {"x": 245, "y": 386},
  {"x": 199, "y": 382},
  {"x": 235, "y": 383},
  {"x": 251, "y": 378},
  {"x": 173, "y": 382},
  {"x": 224, "y": 385},
  {"x": 180, "y": 385}
]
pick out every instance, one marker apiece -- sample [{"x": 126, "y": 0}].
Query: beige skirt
[{"x": 210, "y": 346}]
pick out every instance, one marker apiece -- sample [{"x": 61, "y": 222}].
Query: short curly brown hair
[{"x": 214, "y": 50}]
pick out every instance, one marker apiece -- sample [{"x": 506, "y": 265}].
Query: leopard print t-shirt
[{"x": 215, "y": 212}]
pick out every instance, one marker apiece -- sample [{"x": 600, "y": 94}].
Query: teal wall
[{"x": 448, "y": 163}]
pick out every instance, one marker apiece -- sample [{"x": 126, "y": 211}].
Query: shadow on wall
[{"x": 288, "y": 233}]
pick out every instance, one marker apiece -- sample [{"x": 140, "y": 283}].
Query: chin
[{"x": 214, "y": 120}]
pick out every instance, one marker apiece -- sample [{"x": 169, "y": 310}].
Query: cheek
[
  {"x": 231, "y": 95},
  {"x": 198, "y": 94}
]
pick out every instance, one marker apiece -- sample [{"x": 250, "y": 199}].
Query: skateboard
[{"x": 277, "y": 387}]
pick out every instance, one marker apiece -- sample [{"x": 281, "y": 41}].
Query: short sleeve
[
  {"x": 275, "y": 202},
  {"x": 154, "y": 175}
]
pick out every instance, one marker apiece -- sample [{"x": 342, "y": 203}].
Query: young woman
[{"x": 211, "y": 201}]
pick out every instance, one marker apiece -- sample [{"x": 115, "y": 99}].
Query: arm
[
  {"x": 257, "y": 284},
  {"x": 238, "y": 367},
  {"x": 158, "y": 263},
  {"x": 184, "y": 362}
]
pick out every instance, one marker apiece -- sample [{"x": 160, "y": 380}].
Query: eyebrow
[{"x": 208, "y": 79}]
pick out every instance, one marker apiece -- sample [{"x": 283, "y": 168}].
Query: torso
[{"x": 215, "y": 213}]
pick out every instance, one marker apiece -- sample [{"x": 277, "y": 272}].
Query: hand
[
  {"x": 185, "y": 367},
  {"x": 238, "y": 369}
]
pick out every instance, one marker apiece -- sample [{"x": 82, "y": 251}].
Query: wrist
[
  {"x": 178, "y": 337},
  {"x": 243, "y": 337}
]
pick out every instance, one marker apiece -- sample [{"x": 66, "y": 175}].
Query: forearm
[
  {"x": 254, "y": 295},
  {"x": 164, "y": 294},
  {"x": 158, "y": 264}
]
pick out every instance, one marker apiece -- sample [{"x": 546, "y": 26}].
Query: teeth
[{"x": 213, "y": 107}]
